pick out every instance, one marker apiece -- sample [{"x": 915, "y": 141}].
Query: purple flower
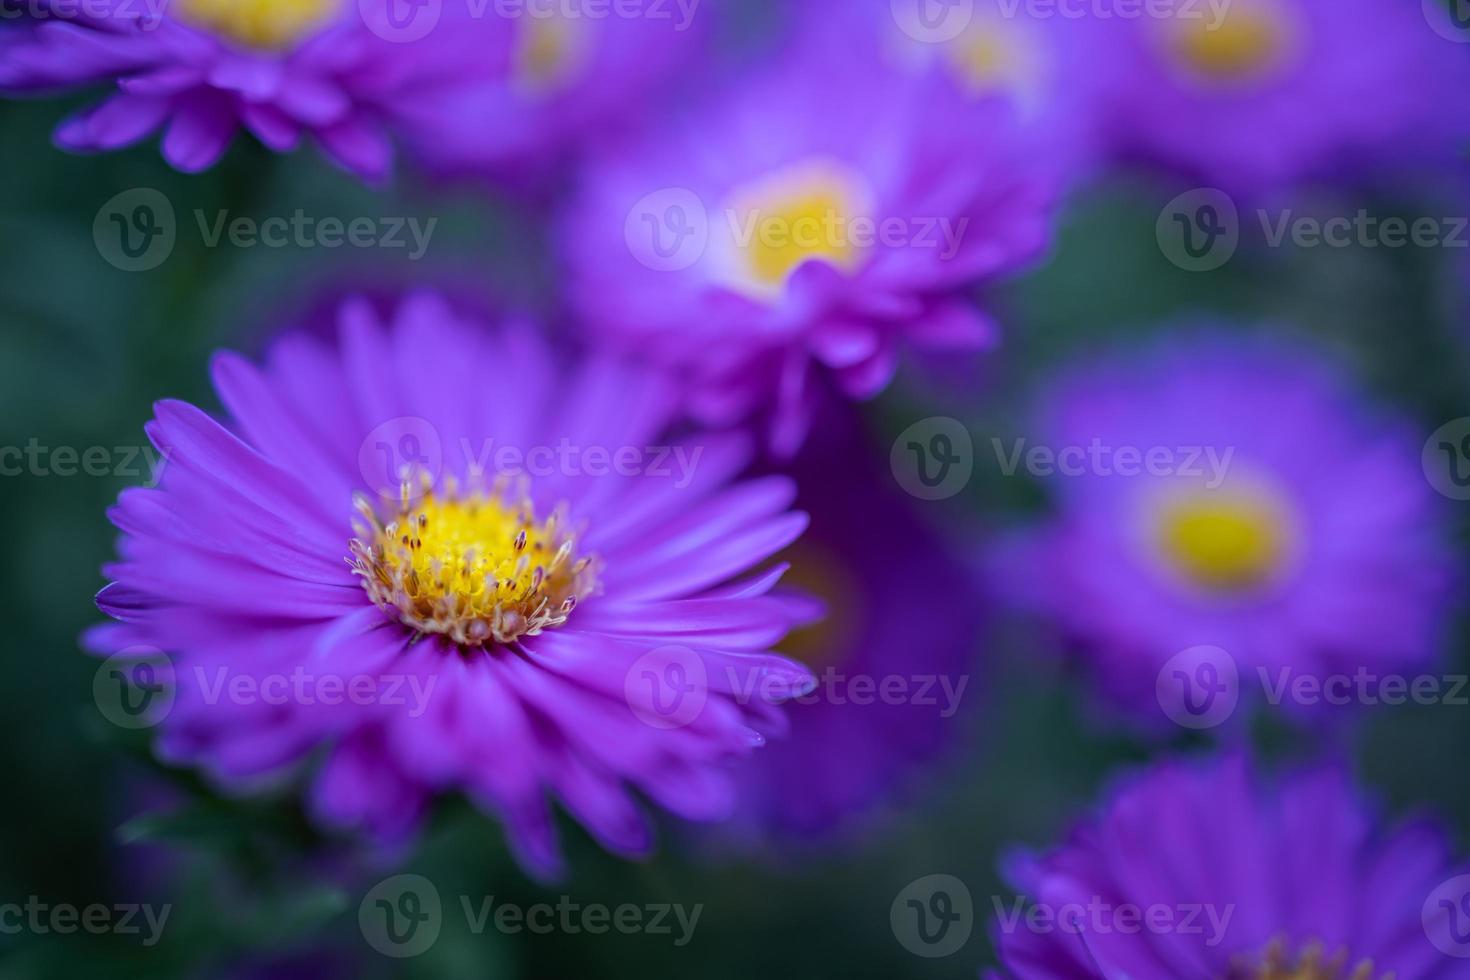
[
  {"x": 1054, "y": 70},
  {"x": 1261, "y": 94},
  {"x": 1204, "y": 869},
  {"x": 1234, "y": 492},
  {"x": 892, "y": 656},
  {"x": 548, "y": 602},
  {"x": 460, "y": 85},
  {"x": 811, "y": 221}
]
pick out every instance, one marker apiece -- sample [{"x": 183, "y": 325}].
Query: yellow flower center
[
  {"x": 821, "y": 573},
  {"x": 550, "y": 52},
  {"x": 1313, "y": 963},
  {"x": 477, "y": 567},
  {"x": 995, "y": 57},
  {"x": 1224, "y": 541},
  {"x": 267, "y": 24},
  {"x": 799, "y": 215},
  {"x": 1243, "y": 44}
]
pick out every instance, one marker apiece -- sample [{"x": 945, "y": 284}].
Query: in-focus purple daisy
[
  {"x": 1234, "y": 492},
  {"x": 892, "y": 656},
  {"x": 1254, "y": 96},
  {"x": 462, "y": 86},
  {"x": 808, "y": 224},
  {"x": 1205, "y": 868},
  {"x": 484, "y": 555}
]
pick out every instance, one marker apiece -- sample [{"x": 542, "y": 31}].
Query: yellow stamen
[
  {"x": 1224, "y": 541},
  {"x": 267, "y": 24},
  {"x": 550, "y": 52},
  {"x": 476, "y": 567},
  {"x": 1312, "y": 964},
  {"x": 802, "y": 214},
  {"x": 1243, "y": 44}
]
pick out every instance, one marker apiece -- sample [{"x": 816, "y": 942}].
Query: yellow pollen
[
  {"x": 986, "y": 60},
  {"x": 476, "y": 567},
  {"x": 550, "y": 52},
  {"x": 1312, "y": 964},
  {"x": 793, "y": 217},
  {"x": 1242, "y": 44},
  {"x": 267, "y": 24},
  {"x": 1223, "y": 542},
  {"x": 822, "y": 573}
]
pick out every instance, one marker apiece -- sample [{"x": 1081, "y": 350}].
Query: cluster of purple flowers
[{"x": 746, "y": 255}]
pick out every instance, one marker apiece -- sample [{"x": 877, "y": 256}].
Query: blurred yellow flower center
[
  {"x": 1312, "y": 964},
  {"x": 986, "y": 60},
  {"x": 476, "y": 567},
  {"x": 1223, "y": 542},
  {"x": 1240, "y": 45},
  {"x": 797, "y": 216},
  {"x": 550, "y": 52},
  {"x": 267, "y": 24}
]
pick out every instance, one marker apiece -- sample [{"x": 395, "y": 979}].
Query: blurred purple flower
[
  {"x": 461, "y": 86},
  {"x": 1233, "y": 491},
  {"x": 1258, "y": 95},
  {"x": 1246, "y": 878},
  {"x": 499, "y": 626},
  {"x": 816, "y": 218},
  {"x": 893, "y": 656}
]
